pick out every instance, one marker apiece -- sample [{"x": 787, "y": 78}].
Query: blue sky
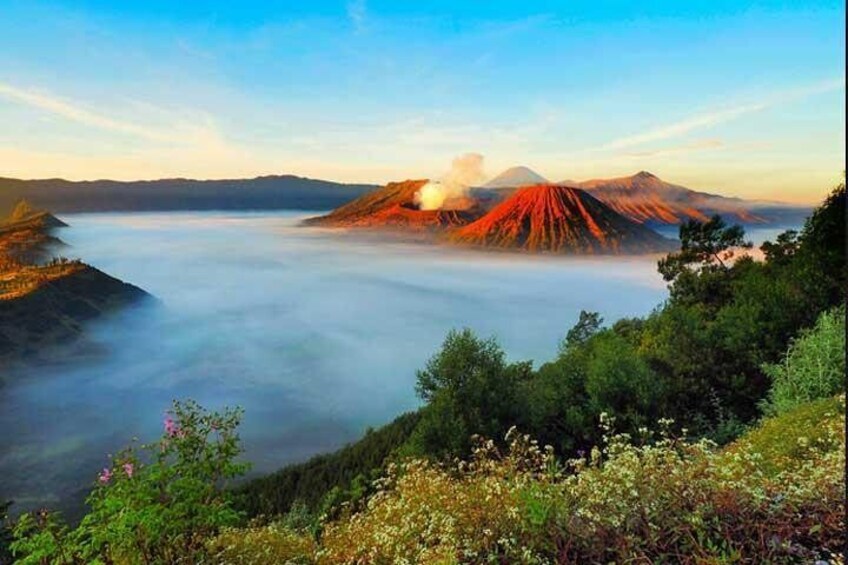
[{"x": 737, "y": 98}]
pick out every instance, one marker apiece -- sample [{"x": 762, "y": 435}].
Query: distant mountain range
[
  {"x": 287, "y": 192},
  {"x": 647, "y": 199},
  {"x": 559, "y": 219},
  {"x": 642, "y": 197}
]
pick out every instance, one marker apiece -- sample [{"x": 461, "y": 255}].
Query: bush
[
  {"x": 426, "y": 513},
  {"x": 158, "y": 503},
  {"x": 660, "y": 498},
  {"x": 813, "y": 367}
]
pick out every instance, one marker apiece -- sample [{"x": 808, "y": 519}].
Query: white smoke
[{"x": 452, "y": 191}]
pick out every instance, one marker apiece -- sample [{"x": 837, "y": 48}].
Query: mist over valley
[{"x": 317, "y": 333}]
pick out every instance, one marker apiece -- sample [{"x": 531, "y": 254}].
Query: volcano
[
  {"x": 559, "y": 219},
  {"x": 647, "y": 199},
  {"x": 394, "y": 207},
  {"x": 515, "y": 177}
]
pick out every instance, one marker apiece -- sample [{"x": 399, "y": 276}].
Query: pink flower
[
  {"x": 128, "y": 469},
  {"x": 105, "y": 476},
  {"x": 171, "y": 427}
]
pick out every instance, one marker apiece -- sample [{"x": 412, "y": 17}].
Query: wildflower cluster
[{"x": 656, "y": 498}]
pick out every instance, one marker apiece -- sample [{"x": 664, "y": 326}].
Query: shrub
[
  {"x": 426, "y": 513},
  {"x": 655, "y": 498},
  {"x": 660, "y": 498},
  {"x": 671, "y": 500},
  {"x": 813, "y": 367},
  {"x": 157, "y": 503}
]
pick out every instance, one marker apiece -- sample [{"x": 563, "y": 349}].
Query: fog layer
[{"x": 316, "y": 334}]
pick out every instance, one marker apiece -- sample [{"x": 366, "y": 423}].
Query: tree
[
  {"x": 823, "y": 248},
  {"x": 620, "y": 383},
  {"x": 470, "y": 389},
  {"x": 783, "y": 250},
  {"x": 702, "y": 269},
  {"x": 587, "y": 325}
]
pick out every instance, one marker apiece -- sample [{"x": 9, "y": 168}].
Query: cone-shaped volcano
[
  {"x": 559, "y": 219},
  {"x": 516, "y": 176}
]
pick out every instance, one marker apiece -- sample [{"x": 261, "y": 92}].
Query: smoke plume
[{"x": 451, "y": 192}]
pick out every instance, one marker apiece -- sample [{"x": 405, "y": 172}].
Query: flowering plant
[{"x": 155, "y": 503}]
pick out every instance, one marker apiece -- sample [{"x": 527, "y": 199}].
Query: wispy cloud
[
  {"x": 683, "y": 127},
  {"x": 190, "y": 129},
  {"x": 710, "y": 119},
  {"x": 699, "y": 145},
  {"x": 79, "y": 114},
  {"x": 357, "y": 11}
]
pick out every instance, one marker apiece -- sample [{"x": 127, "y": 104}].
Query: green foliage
[
  {"x": 823, "y": 247},
  {"x": 157, "y": 503},
  {"x": 725, "y": 320},
  {"x": 41, "y": 537},
  {"x": 699, "y": 272},
  {"x": 602, "y": 373},
  {"x": 619, "y": 381},
  {"x": 660, "y": 500},
  {"x": 469, "y": 389},
  {"x": 783, "y": 249},
  {"x": 813, "y": 367},
  {"x": 587, "y": 325}
]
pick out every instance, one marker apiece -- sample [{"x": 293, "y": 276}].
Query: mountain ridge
[
  {"x": 559, "y": 219},
  {"x": 269, "y": 192},
  {"x": 645, "y": 198}
]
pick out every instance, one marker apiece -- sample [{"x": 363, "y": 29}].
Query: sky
[{"x": 745, "y": 99}]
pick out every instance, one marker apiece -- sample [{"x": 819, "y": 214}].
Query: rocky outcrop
[
  {"x": 56, "y": 311},
  {"x": 46, "y": 300}
]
